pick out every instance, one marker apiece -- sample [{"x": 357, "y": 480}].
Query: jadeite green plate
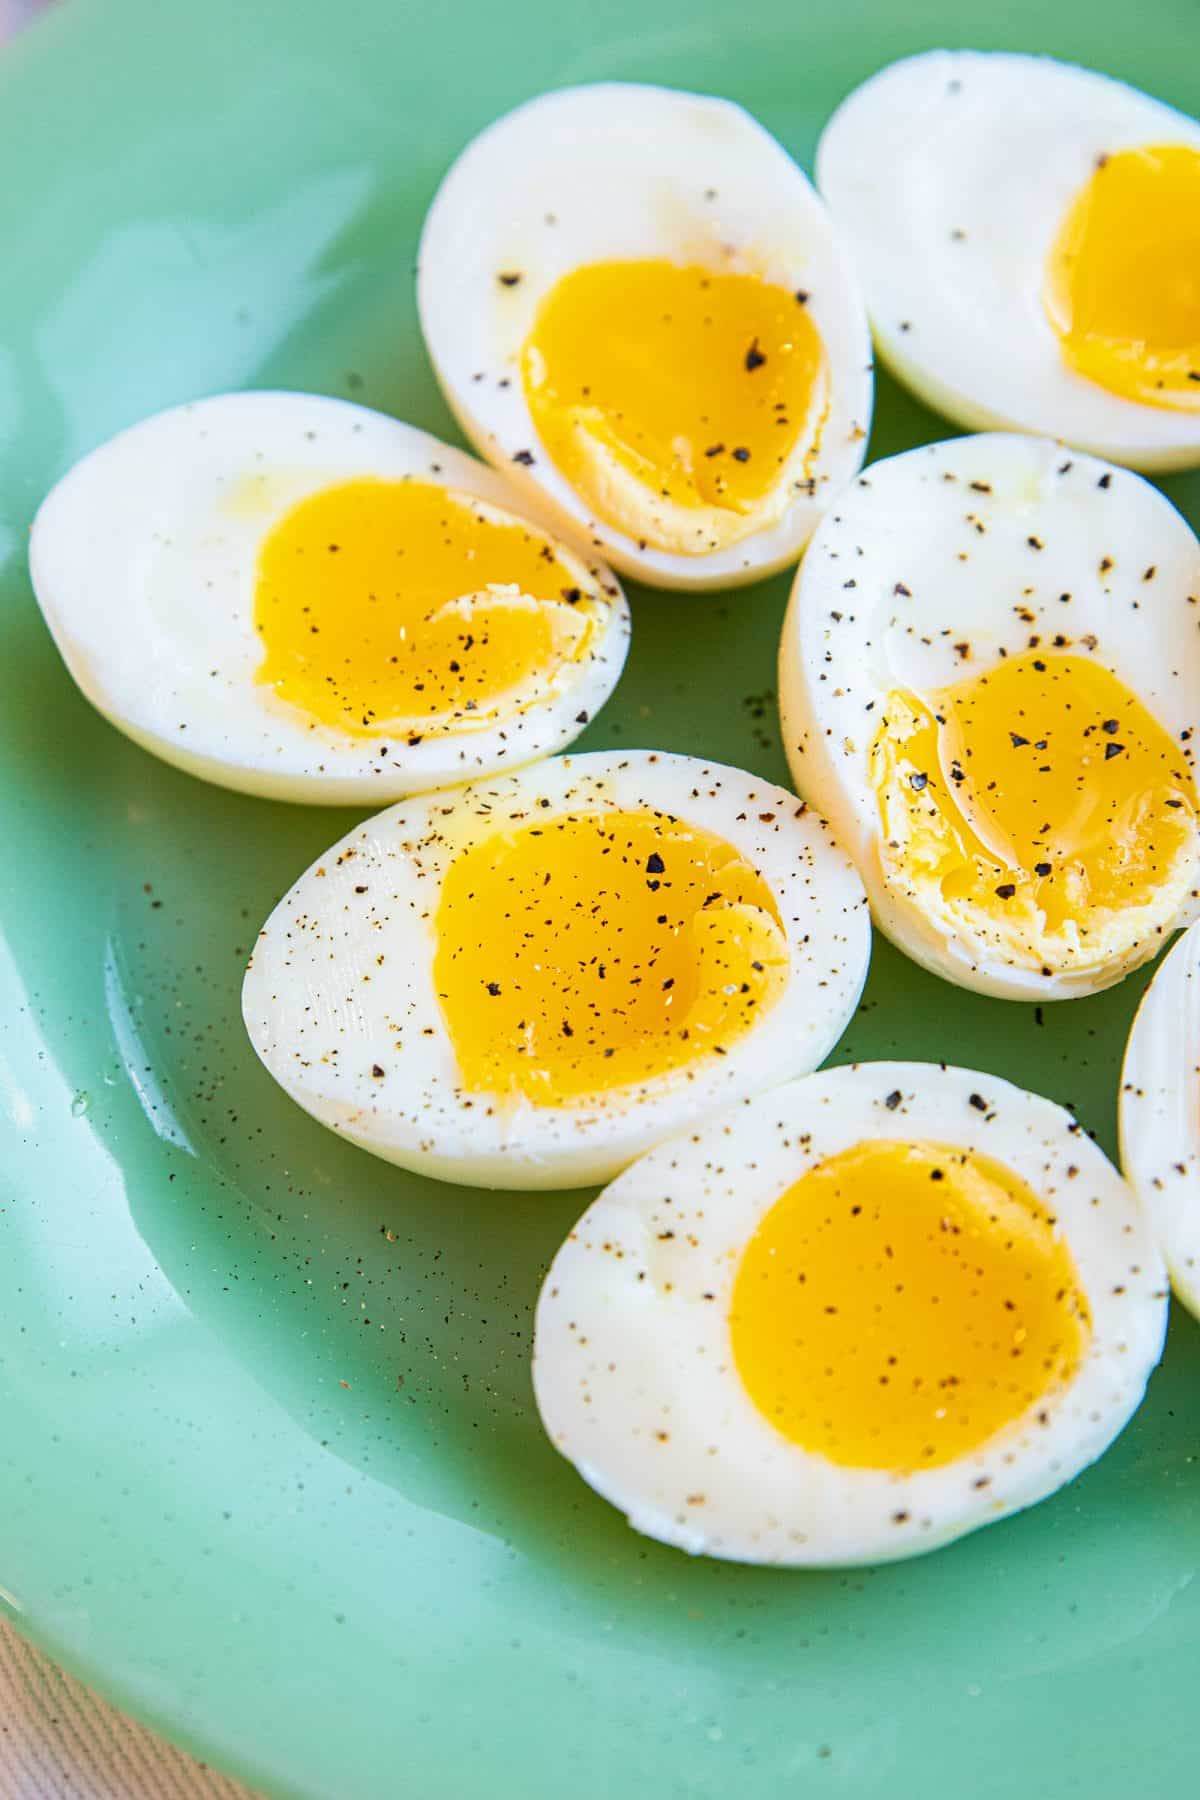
[{"x": 270, "y": 1472}]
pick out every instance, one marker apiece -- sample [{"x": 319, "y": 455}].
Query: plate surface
[{"x": 269, "y": 1470}]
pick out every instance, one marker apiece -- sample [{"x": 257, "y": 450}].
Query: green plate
[{"x": 270, "y": 1474}]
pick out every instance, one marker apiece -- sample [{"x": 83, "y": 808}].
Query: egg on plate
[
  {"x": 850, "y": 1319},
  {"x": 1028, "y": 236},
  {"x": 1160, "y": 1112},
  {"x": 638, "y": 309},
  {"x": 527, "y": 981},
  {"x": 990, "y": 685},
  {"x": 302, "y": 598}
]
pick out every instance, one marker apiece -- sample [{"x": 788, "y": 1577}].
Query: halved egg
[
  {"x": 298, "y": 597},
  {"x": 850, "y": 1319},
  {"x": 1160, "y": 1112},
  {"x": 1028, "y": 235},
  {"x": 639, "y": 311},
  {"x": 990, "y": 685},
  {"x": 526, "y": 982}
]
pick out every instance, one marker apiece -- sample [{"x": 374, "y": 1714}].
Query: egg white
[
  {"x": 950, "y": 174},
  {"x": 930, "y": 550},
  {"x": 1160, "y": 1112},
  {"x": 143, "y": 560},
  {"x": 620, "y": 171},
  {"x": 322, "y": 1014},
  {"x": 633, "y": 1365}
]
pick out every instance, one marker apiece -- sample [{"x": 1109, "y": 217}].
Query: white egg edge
[
  {"x": 306, "y": 763},
  {"x": 439, "y": 1131},
  {"x": 892, "y": 98},
  {"x": 842, "y": 794},
  {"x": 498, "y": 422},
  {"x": 773, "y": 1502},
  {"x": 1160, "y": 1112}
]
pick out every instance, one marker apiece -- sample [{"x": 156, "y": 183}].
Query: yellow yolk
[
  {"x": 385, "y": 605},
  {"x": 902, "y": 1303},
  {"x": 675, "y": 400},
  {"x": 598, "y": 950},
  {"x": 1041, "y": 795},
  {"x": 1123, "y": 281}
]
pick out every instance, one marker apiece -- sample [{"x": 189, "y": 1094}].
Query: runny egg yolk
[
  {"x": 600, "y": 949},
  {"x": 1041, "y": 794},
  {"x": 400, "y": 605},
  {"x": 1123, "y": 281},
  {"x": 902, "y": 1303},
  {"x": 677, "y": 401}
]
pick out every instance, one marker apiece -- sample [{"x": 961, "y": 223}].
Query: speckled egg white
[
  {"x": 1160, "y": 1112},
  {"x": 950, "y": 174},
  {"x": 619, "y": 171},
  {"x": 144, "y": 560},
  {"x": 340, "y": 1000},
  {"x": 939, "y": 565},
  {"x": 634, "y": 1367}
]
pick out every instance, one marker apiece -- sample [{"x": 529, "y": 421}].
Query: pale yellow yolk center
[
  {"x": 400, "y": 606},
  {"x": 598, "y": 950},
  {"x": 902, "y": 1303},
  {"x": 674, "y": 399},
  {"x": 1123, "y": 280},
  {"x": 1042, "y": 795}
]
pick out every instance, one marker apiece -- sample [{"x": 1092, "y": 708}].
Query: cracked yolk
[
  {"x": 1123, "y": 281},
  {"x": 1042, "y": 796},
  {"x": 400, "y": 605},
  {"x": 902, "y": 1303},
  {"x": 601, "y": 949},
  {"x": 675, "y": 400}
]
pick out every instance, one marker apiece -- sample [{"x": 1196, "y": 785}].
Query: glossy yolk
[
  {"x": 902, "y": 1303},
  {"x": 398, "y": 605},
  {"x": 1123, "y": 281},
  {"x": 598, "y": 950},
  {"x": 663, "y": 392},
  {"x": 1042, "y": 792}
]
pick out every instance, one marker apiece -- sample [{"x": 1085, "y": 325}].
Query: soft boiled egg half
[
  {"x": 639, "y": 311},
  {"x": 1028, "y": 235},
  {"x": 850, "y": 1319},
  {"x": 301, "y": 598},
  {"x": 1160, "y": 1112},
  {"x": 527, "y": 981},
  {"x": 990, "y": 685}
]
